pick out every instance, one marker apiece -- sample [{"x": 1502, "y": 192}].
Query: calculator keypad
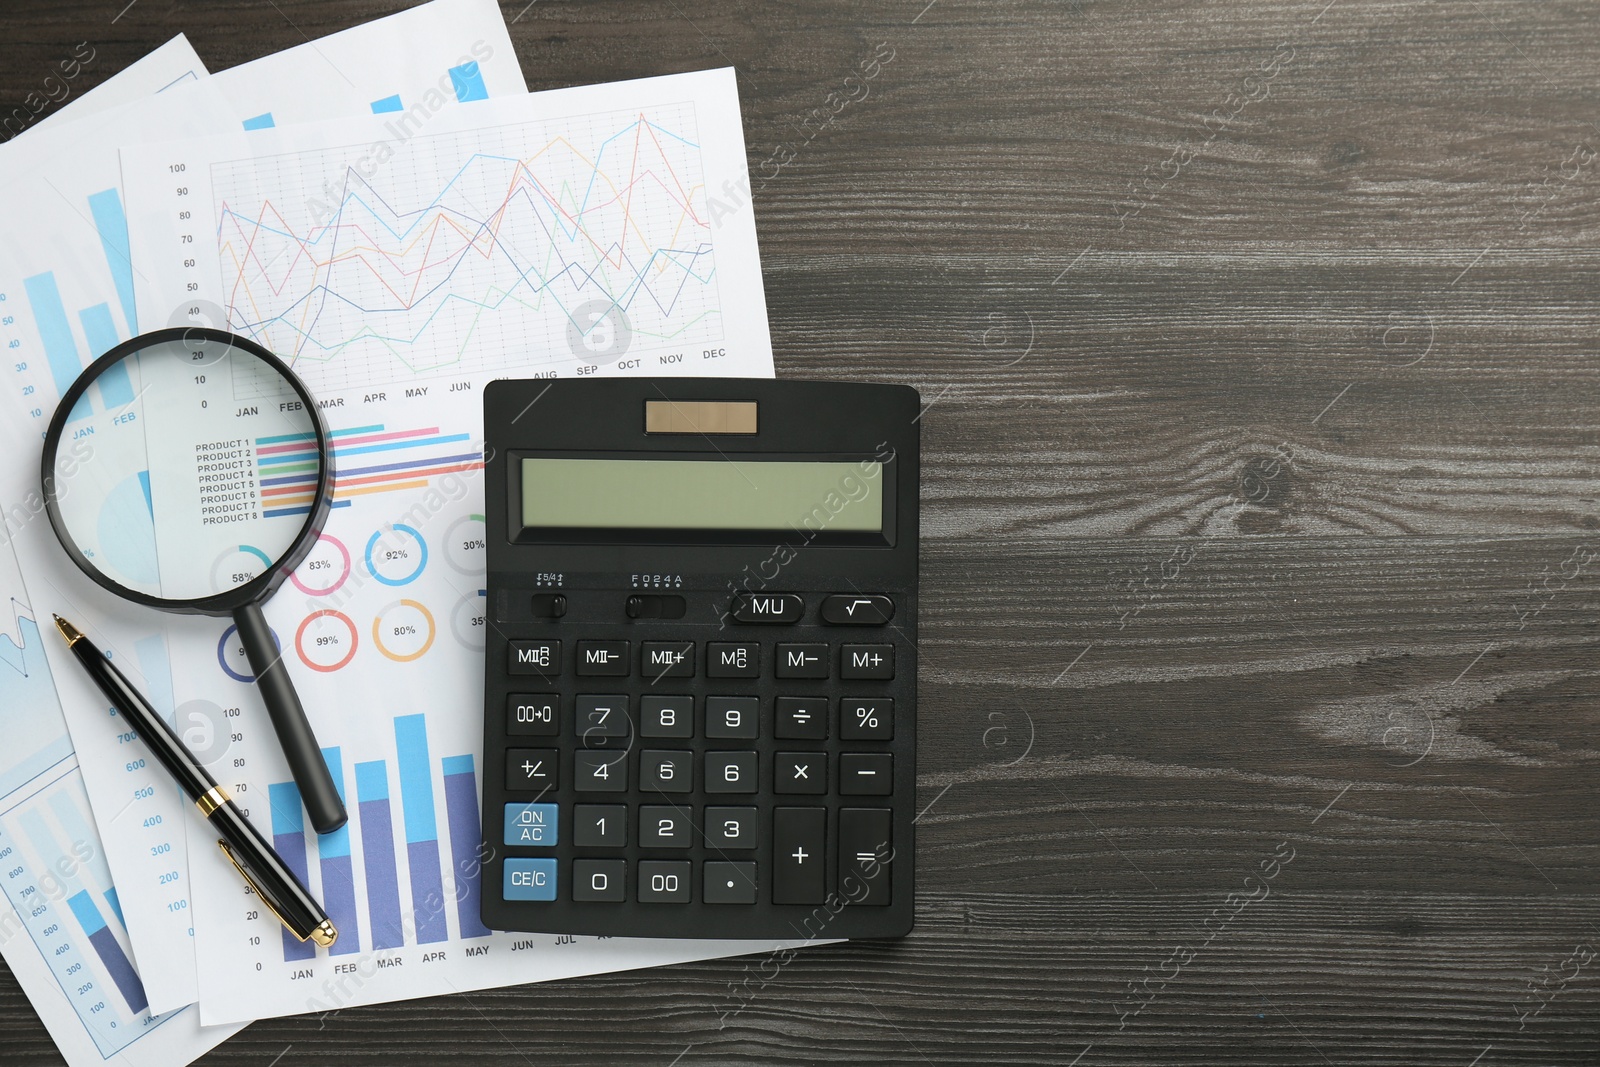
[{"x": 725, "y": 772}]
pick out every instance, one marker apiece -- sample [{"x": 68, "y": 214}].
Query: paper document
[
  {"x": 62, "y": 930},
  {"x": 67, "y": 284},
  {"x": 400, "y": 265}
]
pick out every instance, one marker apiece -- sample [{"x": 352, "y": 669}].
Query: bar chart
[
  {"x": 390, "y": 905},
  {"x": 53, "y": 873},
  {"x": 58, "y": 343}
]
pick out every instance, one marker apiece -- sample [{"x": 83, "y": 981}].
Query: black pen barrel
[{"x": 278, "y": 886}]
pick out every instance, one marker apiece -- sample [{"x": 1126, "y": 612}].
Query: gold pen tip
[
  {"x": 325, "y": 934},
  {"x": 69, "y": 631}
]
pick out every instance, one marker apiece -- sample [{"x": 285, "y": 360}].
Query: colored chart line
[
  {"x": 287, "y": 465},
  {"x": 613, "y": 212}
]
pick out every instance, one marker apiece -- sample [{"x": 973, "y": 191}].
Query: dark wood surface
[{"x": 1260, "y": 521}]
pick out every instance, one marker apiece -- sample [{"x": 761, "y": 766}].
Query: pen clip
[{"x": 262, "y": 894}]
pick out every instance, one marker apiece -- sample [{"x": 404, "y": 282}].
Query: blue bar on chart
[
  {"x": 461, "y": 805},
  {"x": 262, "y": 121},
  {"x": 387, "y": 104},
  {"x": 112, "y": 224},
  {"x": 338, "y": 877},
  {"x": 116, "y": 906},
  {"x": 116, "y": 388},
  {"x": 289, "y": 840},
  {"x": 60, "y": 350},
  {"x": 377, "y": 852},
  {"x": 110, "y": 952},
  {"x": 422, "y": 828},
  {"x": 468, "y": 82}
]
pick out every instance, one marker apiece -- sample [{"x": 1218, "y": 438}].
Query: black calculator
[{"x": 701, "y": 658}]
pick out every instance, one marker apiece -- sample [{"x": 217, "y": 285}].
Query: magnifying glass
[{"x": 187, "y": 470}]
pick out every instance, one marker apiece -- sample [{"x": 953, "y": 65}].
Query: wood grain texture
[{"x": 1258, "y": 343}]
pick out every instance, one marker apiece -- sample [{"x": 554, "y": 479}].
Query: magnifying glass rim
[{"x": 262, "y": 585}]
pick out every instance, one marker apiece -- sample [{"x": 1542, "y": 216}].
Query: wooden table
[{"x": 1261, "y": 540}]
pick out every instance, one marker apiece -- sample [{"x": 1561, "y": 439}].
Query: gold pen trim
[
  {"x": 211, "y": 800},
  {"x": 69, "y": 631},
  {"x": 324, "y": 935}
]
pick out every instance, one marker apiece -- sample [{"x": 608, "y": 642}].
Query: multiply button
[
  {"x": 602, "y": 659},
  {"x": 800, "y": 772},
  {"x": 802, "y": 661},
  {"x": 733, "y": 660},
  {"x": 869, "y": 662},
  {"x": 869, "y": 610},
  {"x": 667, "y": 659},
  {"x": 767, "y": 607},
  {"x": 531, "y": 769},
  {"x": 542, "y": 658}
]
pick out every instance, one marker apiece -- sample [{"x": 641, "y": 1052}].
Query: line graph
[{"x": 471, "y": 253}]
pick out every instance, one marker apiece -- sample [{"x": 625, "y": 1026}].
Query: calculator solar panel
[{"x": 700, "y": 665}]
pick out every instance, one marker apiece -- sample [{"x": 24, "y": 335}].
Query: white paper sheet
[
  {"x": 172, "y": 64},
  {"x": 601, "y": 230},
  {"x": 67, "y": 293},
  {"x": 61, "y": 926}
]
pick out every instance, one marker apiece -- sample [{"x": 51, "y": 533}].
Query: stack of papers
[{"x": 390, "y": 211}]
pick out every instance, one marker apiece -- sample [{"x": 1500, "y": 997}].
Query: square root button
[
  {"x": 531, "y": 825},
  {"x": 529, "y": 879}
]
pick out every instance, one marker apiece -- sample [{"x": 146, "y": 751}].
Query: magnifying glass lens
[{"x": 186, "y": 469}]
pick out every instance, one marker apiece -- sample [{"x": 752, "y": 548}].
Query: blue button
[
  {"x": 531, "y": 825},
  {"x": 530, "y": 879}
]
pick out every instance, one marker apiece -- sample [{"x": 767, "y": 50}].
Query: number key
[
  {"x": 600, "y": 825},
  {"x": 738, "y": 717},
  {"x": 731, "y": 828},
  {"x": 730, "y": 772},
  {"x": 600, "y": 772},
  {"x": 666, "y": 772},
  {"x": 662, "y": 716},
  {"x": 663, "y": 881},
  {"x": 602, "y": 721}
]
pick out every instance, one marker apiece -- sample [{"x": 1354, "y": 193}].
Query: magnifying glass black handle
[{"x": 300, "y": 746}]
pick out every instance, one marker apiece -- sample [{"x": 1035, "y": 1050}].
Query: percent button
[{"x": 866, "y": 720}]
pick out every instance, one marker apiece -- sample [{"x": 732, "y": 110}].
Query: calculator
[{"x": 700, "y": 658}]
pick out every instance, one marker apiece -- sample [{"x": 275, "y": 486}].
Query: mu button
[{"x": 767, "y": 607}]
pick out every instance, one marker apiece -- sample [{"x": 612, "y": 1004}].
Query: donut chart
[
  {"x": 464, "y": 544},
  {"x": 396, "y": 554},
  {"x": 404, "y": 630},
  {"x": 326, "y": 640},
  {"x": 326, "y": 567},
  {"x": 467, "y": 620},
  {"x": 238, "y": 565},
  {"x": 230, "y": 648}
]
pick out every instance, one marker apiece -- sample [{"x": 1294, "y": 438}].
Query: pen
[{"x": 246, "y": 849}]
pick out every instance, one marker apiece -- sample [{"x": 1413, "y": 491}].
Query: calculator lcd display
[{"x": 717, "y": 494}]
